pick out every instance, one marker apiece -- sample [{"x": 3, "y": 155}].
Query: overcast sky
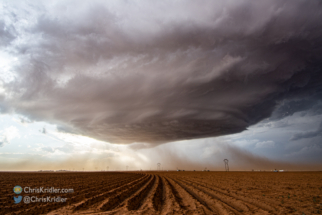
[{"x": 91, "y": 84}]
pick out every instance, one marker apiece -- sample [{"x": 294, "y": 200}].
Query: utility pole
[{"x": 226, "y": 165}]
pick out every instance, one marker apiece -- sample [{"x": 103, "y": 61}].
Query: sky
[{"x": 129, "y": 84}]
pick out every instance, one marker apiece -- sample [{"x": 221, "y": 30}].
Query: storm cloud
[
  {"x": 307, "y": 134},
  {"x": 126, "y": 72}
]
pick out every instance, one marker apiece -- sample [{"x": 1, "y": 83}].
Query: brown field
[{"x": 168, "y": 193}]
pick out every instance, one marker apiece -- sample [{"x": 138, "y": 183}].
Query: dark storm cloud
[
  {"x": 309, "y": 105},
  {"x": 307, "y": 134},
  {"x": 143, "y": 72}
]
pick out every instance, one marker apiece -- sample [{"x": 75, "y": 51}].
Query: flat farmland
[{"x": 162, "y": 192}]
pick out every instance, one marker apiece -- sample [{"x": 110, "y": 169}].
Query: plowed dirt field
[{"x": 167, "y": 193}]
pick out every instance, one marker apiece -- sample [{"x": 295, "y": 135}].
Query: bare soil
[{"x": 162, "y": 192}]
